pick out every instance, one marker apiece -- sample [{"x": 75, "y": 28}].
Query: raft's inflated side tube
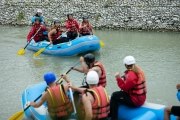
[
  {"x": 84, "y": 44},
  {"x": 30, "y": 94},
  {"x": 149, "y": 111},
  {"x": 146, "y": 116}
]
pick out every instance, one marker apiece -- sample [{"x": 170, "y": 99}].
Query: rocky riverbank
[{"x": 103, "y": 14}]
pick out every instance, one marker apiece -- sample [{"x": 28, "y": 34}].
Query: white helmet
[
  {"x": 39, "y": 11},
  {"x": 92, "y": 78},
  {"x": 129, "y": 60}
]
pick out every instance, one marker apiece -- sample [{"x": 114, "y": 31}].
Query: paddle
[
  {"x": 74, "y": 107},
  {"x": 19, "y": 115},
  {"x": 40, "y": 51},
  {"x": 22, "y": 51},
  {"x": 102, "y": 44}
]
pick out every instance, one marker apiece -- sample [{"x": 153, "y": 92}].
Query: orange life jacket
[
  {"x": 102, "y": 79},
  {"x": 140, "y": 87},
  {"x": 100, "y": 107},
  {"x": 60, "y": 104}
]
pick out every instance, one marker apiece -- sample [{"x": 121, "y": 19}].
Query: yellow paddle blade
[
  {"x": 17, "y": 116},
  {"x": 39, "y": 52},
  {"x": 21, "y": 51},
  {"x": 102, "y": 43}
]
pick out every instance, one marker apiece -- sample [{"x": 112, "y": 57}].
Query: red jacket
[
  {"x": 39, "y": 36},
  {"x": 129, "y": 84},
  {"x": 72, "y": 25}
]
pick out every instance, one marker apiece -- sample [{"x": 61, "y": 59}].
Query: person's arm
[
  {"x": 42, "y": 100},
  {"x": 128, "y": 83},
  {"x": 31, "y": 33},
  {"x": 42, "y": 20},
  {"x": 98, "y": 70},
  {"x": 90, "y": 29},
  {"x": 87, "y": 107},
  {"x": 74, "y": 88},
  {"x": 43, "y": 27},
  {"x": 83, "y": 68},
  {"x": 81, "y": 90},
  {"x": 53, "y": 31}
]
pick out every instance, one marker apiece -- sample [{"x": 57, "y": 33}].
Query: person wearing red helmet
[
  {"x": 132, "y": 85},
  {"x": 59, "y": 105}
]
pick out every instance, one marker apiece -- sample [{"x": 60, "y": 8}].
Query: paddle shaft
[
  {"x": 34, "y": 101},
  {"x": 56, "y": 82},
  {"x": 32, "y": 37},
  {"x": 72, "y": 98},
  {"x": 40, "y": 50},
  {"x": 48, "y": 45},
  {"x": 62, "y": 34},
  {"x": 69, "y": 71}
]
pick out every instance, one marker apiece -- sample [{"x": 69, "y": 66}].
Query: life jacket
[
  {"x": 72, "y": 25},
  {"x": 39, "y": 35},
  {"x": 101, "y": 105},
  {"x": 60, "y": 104},
  {"x": 140, "y": 87},
  {"x": 55, "y": 36},
  {"x": 34, "y": 17},
  {"x": 87, "y": 29},
  {"x": 102, "y": 78}
]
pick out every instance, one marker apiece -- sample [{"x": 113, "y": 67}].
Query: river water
[{"x": 157, "y": 53}]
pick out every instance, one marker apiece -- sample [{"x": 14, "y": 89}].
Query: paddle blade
[
  {"x": 17, "y": 116},
  {"x": 102, "y": 43},
  {"x": 39, "y": 52},
  {"x": 21, "y": 51}
]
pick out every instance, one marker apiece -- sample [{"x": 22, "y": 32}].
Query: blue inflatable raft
[
  {"x": 84, "y": 44},
  {"x": 148, "y": 111}
]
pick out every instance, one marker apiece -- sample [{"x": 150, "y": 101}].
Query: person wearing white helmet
[
  {"x": 39, "y": 11},
  {"x": 132, "y": 85},
  {"x": 94, "y": 99},
  {"x": 38, "y": 14}
]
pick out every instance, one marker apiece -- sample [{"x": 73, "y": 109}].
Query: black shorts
[{"x": 175, "y": 110}]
